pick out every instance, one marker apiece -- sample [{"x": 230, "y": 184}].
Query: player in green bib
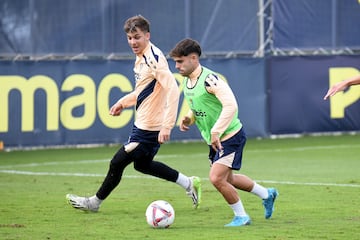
[
  {"x": 214, "y": 110},
  {"x": 206, "y": 107}
]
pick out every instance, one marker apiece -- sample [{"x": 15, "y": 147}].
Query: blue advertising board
[
  {"x": 297, "y": 86},
  {"x": 67, "y": 102}
]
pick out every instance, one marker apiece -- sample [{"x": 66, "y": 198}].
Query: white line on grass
[
  {"x": 54, "y": 163},
  {"x": 144, "y": 176},
  {"x": 203, "y": 155},
  {"x": 5, "y": 169},
  {"x": 310, "y": 148}
]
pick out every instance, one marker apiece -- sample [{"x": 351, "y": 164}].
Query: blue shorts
[
  {"x": 142, "y": 144},
  {"x": 231, "y": 154}
]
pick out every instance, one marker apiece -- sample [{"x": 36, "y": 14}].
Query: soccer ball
[{"x": 160, "y": 214}]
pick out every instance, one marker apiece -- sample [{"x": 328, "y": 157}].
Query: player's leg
[
  {"x": 245, "y": 183},
  {"x": 116, "y": 168},
  {"x": 219, "y": 176},
  {"x": 268, "y": 195},
  {"x": 242, "y": 182},
  {"x": 113, "y": 177},
  {"x": 143, "y": 162}
]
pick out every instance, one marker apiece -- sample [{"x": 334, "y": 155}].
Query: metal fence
[{"x": 51, "y": 29}]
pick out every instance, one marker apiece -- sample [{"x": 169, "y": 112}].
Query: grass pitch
[{"x": 317, "y": 177}]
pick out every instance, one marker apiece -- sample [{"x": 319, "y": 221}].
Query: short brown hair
[
  {"x": 186, "y": 47},
  {"x": 135, "y": 22}
]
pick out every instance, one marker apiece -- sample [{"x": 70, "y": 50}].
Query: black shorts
[{"x": 231, "y": 154}]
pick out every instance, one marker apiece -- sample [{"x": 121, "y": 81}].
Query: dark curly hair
[{"x": 186, "y": 47}]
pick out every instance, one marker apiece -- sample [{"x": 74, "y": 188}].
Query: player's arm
[
  {"x": 126, "y": 101},
  {"x": 168, "y": 82},
  {"x": 227, "y": 98},
  {"x": 340, "y": 86}
]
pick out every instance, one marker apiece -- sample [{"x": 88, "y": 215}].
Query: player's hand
[
  {"x": 336, "y": 88},
  {"x": 116, "y": 109},
  {"x": 164, "y": 135},
  {"x": 215, "y": 142},
  {"x": 185, "y": 123}
]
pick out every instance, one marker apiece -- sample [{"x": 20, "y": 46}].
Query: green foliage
[{"x": 317, "y": 177}]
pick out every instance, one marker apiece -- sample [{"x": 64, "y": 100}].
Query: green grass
[{"x": 317, "y": 177}]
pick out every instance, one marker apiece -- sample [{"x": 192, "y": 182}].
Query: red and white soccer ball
[{"x": 160, "y": 214}]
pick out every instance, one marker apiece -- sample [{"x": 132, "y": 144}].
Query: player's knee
[
  {"x": 141, "y": 167},
  {"x": 120, "y": 160},
  {"x": 215, "y": 180}
]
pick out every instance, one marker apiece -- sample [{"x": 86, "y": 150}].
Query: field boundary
[{"x": 149, "y": 177}]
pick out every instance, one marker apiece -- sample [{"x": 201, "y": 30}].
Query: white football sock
[
  {"x": 238, "y": 209},
  {"x": 183, "y": 181},
  {"x": 260, "y": 191},
  {"x": 95, "y": 200}
]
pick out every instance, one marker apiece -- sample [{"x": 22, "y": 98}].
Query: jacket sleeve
[
  {"x": 223, "y": 92},
  {"x": 168, "y": 82}
]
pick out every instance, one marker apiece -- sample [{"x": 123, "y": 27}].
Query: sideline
[
  {"x": 149, "y": 177},
  {"x": 204, "y": 155}
]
